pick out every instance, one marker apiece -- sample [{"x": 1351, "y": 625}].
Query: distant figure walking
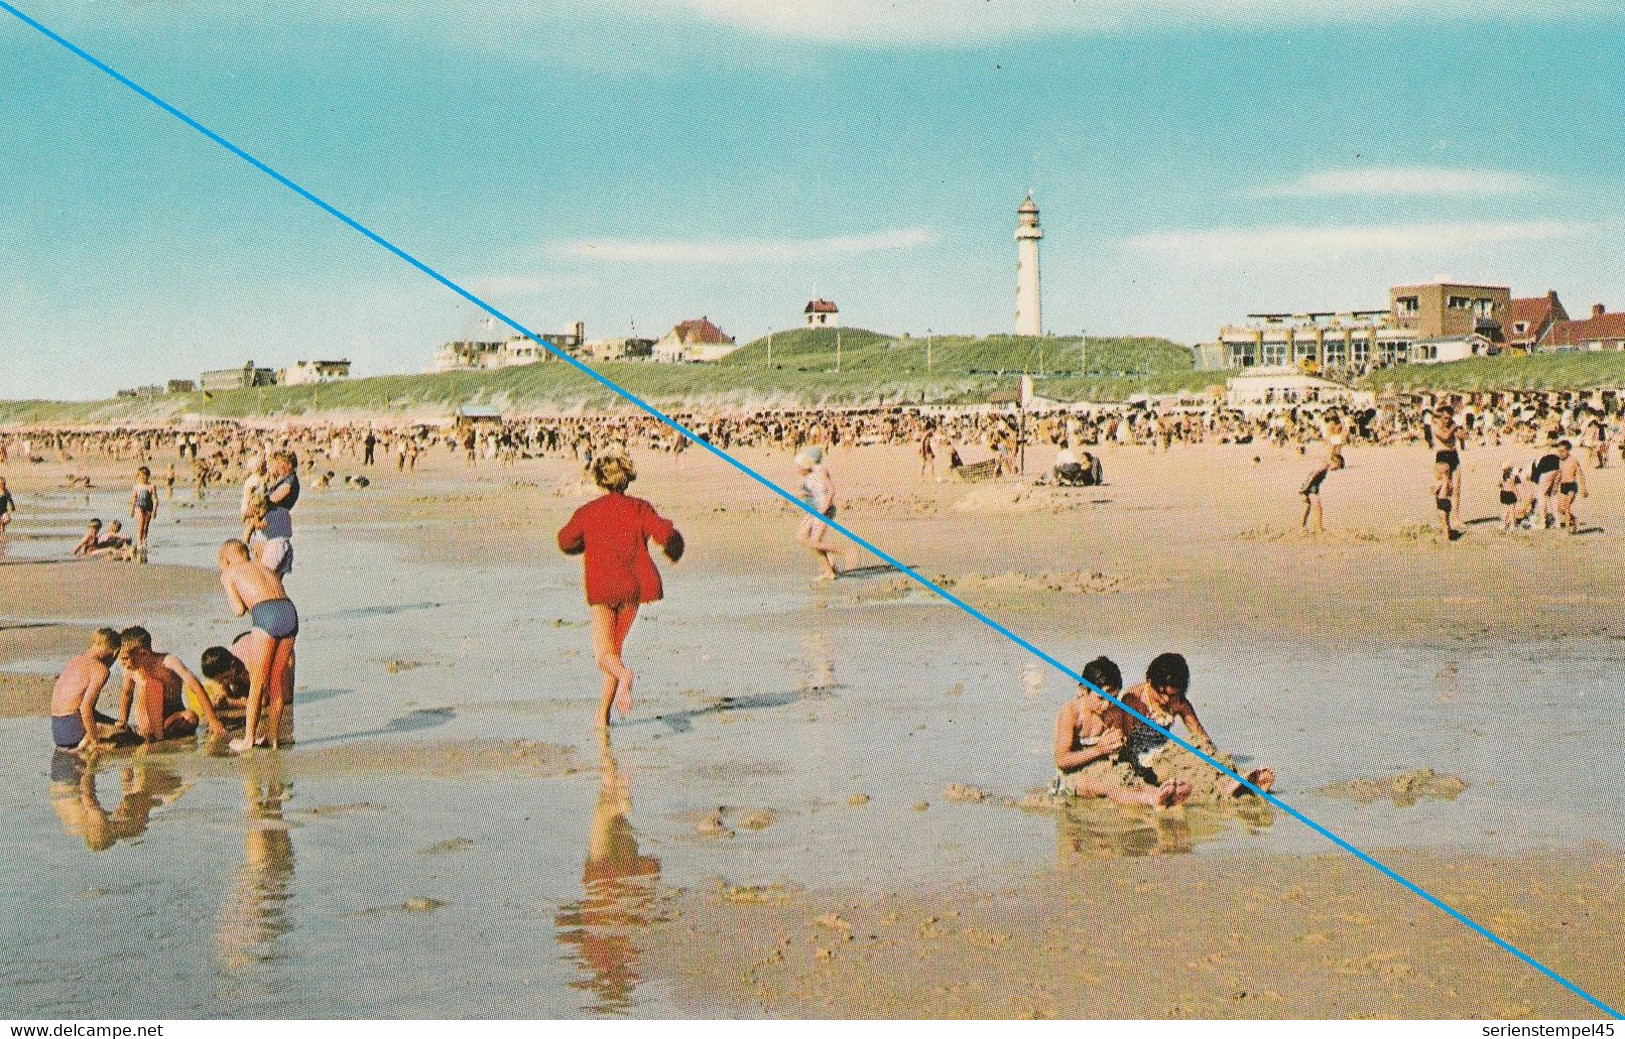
[
  {"x": 818, "y": 491},
  {"x": 613, "y": 533}
]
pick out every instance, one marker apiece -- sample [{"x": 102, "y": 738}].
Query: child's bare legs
[
  {"x": 261, "y": 650},
  {"x": 1262, "y": 778},
  {"x": 280, "y": 686},
  {"x": 143, "y": 522},
  {"x": 1311, "y": 506},
  {"x": 1171, "y": 793},
  {"x": 610, "y": 626},
  {"x": 812, "y": 535}
]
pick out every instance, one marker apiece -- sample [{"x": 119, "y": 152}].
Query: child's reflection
[
  {"x": 144, "y": 785},
  {"x": 619, "y": 887},
  {"x": 254, "y": 913}
]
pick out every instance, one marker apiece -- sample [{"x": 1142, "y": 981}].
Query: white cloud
[
  {"x": 1389, "y": 181},
  {"x": 528, "y": 284},
  {"x": 953, "y": 22},
  {"x": 748, "y": 250},
  {"x": 1288, "y": 244}
]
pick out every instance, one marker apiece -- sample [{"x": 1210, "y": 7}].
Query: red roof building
[
  {"x": 1601, "y": 331},
  {"x": 821, "y": 313},
  {"x": 1531, "y": 319},
  {"x": 695, "y": 340}
]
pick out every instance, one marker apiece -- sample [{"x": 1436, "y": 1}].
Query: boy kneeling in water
[
  {"x": 159, "y": 684},
  {"x": 1091, "y": 733}
]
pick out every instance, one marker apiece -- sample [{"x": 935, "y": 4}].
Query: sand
[
  {"x": 1201, "y": 541},
  {"x": 1162, "y": 938}
]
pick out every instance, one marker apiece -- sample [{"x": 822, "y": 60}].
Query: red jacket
[{"x": 614, "y": 531}]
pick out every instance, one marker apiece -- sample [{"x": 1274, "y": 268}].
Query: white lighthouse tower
[{"x": 1029, "y": 320}]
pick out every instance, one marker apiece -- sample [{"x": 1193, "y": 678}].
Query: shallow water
[{"x": 180, "y": 886}]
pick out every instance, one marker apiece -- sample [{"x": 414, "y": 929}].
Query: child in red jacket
[{"x": 614, "y": 532}]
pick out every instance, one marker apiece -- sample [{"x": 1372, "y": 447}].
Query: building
[
  {"x": 1601, "y": 331},
  {"x": 821, "y": 313},
  {"x": 305, "y": 373},
  {"x": 1443, "y": 309},
  {"x": 621, "y": 348},
  {"x": 695, "y": 340},
  {"x": 478, "y": 416},
  {"x": 1266, "y": 391},
  {"x": 1029, "y": 316},
  {"x": 1531, "y": 319},
  {"x": 245, "y": 378},
  {"x": 1354, "y": 340},
  {"x": 180, "y": 386},
  {"x": 1423, "y": 324},
  {"x": 1441, "y": 349},
  {"x": 466, "y": 355}
]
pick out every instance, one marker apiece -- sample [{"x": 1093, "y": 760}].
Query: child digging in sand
[
  {"x": 158, "y": 684},
  {"x": 1162, "y": 698},
  {"x": 1090, "y": 735},
  {"x": 252, "y": 588},
  {"x": 613, "y": 532},
  {"x": 74, "y": 717}
]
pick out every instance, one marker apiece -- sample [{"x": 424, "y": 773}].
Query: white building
[
  {"x": 1029, "y": 317},
  {"x": 305, "y": 373},
  {"x": 695, "y": 340},
  {"x": 821, "y": 313},
  {"x": 465, "y": 355}
]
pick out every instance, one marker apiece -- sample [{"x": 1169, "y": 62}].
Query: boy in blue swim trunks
[
  {"x": 73, "y": 699},
  {"x": 254, "y": 589}
]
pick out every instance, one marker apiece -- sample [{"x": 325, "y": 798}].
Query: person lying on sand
[
  {"x": 1090, "y": 735},
  {"x": 158, "y": 684},
  {"x": 74, "y": 718},
  {"x": 254, "y": 589},
  {"x": 1163, "y": 698}
]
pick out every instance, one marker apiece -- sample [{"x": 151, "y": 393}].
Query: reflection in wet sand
[
  {"x": 619, "y": 889},
  {"x": 254, "y": 913},
  {"x": 1087, "y": 830},
  {"x": 144, "y": 786}
]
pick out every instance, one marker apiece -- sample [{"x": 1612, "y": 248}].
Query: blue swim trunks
[
  {"x": 67, "y": 730},
  {"x": 276, "y": 617}
]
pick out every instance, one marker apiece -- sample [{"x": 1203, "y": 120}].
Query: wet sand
[
  {"x": 1189, "y": 937},
  {"x": 804, "y": 738}
]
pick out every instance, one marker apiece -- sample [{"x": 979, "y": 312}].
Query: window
[
  {"x": 1484, "y": 307},
  {"x": 1275, "y": 353},
  {"x": 1459, "y": 303},
  {"x": 1427, "y": 352},
  {"x": 1520, "y": 327},
  {"x": 1407, "y": 304},
  {"x": 1336, "y": 351},
  {"x": 1361, "y": 349}
]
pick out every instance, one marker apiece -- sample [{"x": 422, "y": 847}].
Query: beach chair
[{"x": 977, "y": 472}]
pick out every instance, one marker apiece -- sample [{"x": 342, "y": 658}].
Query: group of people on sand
[
  {"x": 160, "y": 698},
  {"x": 253, "y": 677},
  {"x": 1550, "y": 485},
  {"x": 1104, "y": 751}
]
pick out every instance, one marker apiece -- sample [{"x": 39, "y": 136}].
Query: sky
[{"x": 633, "y": 163}]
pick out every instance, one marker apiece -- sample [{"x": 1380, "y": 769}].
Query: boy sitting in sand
[
  {"x": 254, "y": 589},
  {"x": 162, "y": 687},
  {"x": 1163, "y": 698},
  {"x": 74, "y": 717},
  {"x": 1090, "y": 735}
]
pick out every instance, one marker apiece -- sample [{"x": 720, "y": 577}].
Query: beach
[{"x": 825, "y": 802}]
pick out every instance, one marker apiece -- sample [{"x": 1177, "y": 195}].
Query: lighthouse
[{"x": 1029, "y": 321}]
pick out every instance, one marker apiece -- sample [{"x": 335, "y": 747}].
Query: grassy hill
[
  {"x": 874, "y": 368},
  {"x": 901, "y": 356},
  {"x": 1540, "y": 372}
]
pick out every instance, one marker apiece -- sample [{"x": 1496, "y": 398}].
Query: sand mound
[
  {"x": 1403, "y": 790},
  {"x": 1001, "y": 499},
  {"x": 1070, "y": 582}
]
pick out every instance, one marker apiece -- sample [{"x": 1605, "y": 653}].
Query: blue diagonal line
[{"x": 901, "y": 567}]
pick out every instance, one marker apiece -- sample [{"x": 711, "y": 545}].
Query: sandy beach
[{"x": 824, "y": 802}]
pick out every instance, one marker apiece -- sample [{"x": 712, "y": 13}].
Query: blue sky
[{"x": 630, "y": 163}]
